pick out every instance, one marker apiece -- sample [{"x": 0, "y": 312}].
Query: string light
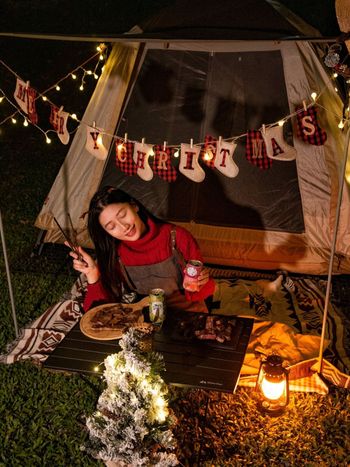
[
  {"x": 1, "y": 99},
  {"x": 335, "y": 75},
  {"x": 44, "y": 98},
  {"x": 208, "y": 156},
  {"x": 89, "y": 72},
  {"x": 74, "y": 116},
  {"x": 341, "y": 124},
  {"x": 281, "y": 123},
  {"x": 74, "y": 76},
  {"x": 48, "y": 140},
  {"x": 176, "y": 153},
  {"x": 25, "y": 122},
  {"x": 58, "y": 88},
  {"x": 313, "y": 96},
  {"x": 13, "y": 120},
  {"x": 95, "y": 75},
  {"x": 81, "y": 88},
  {"x": 101, "y": 57}
]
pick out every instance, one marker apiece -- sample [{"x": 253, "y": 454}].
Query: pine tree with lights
[{"x": 132, "y": 423}]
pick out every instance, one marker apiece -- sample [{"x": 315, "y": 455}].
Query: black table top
[{"x": 188, "y": 361}]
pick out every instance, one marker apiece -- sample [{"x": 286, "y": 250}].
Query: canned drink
[
  {"x": 192, "y": 271},
  {"x": 156, "y": 306}
]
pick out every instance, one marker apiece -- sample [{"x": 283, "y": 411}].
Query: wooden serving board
[{"x": 109, "y": 333}]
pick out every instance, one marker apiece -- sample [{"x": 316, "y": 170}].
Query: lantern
[{"x": 272, "y": 386}]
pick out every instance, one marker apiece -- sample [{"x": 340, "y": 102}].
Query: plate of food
[{"x": 111, "y": 320}]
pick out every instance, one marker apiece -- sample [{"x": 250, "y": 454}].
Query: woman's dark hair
[{"x": 105, "y": 244}]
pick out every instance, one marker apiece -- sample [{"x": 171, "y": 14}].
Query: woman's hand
[
  {"x": 85, "y": 264},
  {"x": 203, "y": 277}
]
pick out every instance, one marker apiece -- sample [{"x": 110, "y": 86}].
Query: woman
[{"x": 137, "y": 252}]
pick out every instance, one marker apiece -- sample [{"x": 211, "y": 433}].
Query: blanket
[{"x": 288, "y": 322}]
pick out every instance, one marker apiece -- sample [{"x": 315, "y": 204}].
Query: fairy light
[
  {"x": 81, "y": 87},
  {"x": 281, "y": 123},
  {"x": 120, "y": 146},
  {"x": 74, "y": 117},
  {"x": 335, "y": 75},
  {"x": 95, "y": 75},
  {"x": 101, "y": 57},
  {"x": 58, "y": 88},
  {"x": 176, "y": 153},
  {"x": 2, "y": 98},
  {"x": 151, "y": 153},
  {"x": 208, "y": 155},
  {"x": 336, "y": 89},
  {"x": 13, "y": 120},
  {"x": 313, "y": 95},
  {"x": 44, "y": 98},
  {"x": 341, "y": 124},
  {"x": 25, "y": 122},
  {"x": 89, "y": 72},
  {"x": 48, "y": 140},
  {"x": 74, "y": 76}
]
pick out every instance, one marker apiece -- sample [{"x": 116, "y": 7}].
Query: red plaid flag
[
  {"x": 124, "y": 156},
  {"x": 308, "y": 128},
  {"x": 255, "y": 150},
  {"x": 162, "y": 163}
]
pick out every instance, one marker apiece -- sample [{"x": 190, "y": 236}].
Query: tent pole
[
  {"x": 334, "y": 241},
  {"x": 8, "y": 276}
]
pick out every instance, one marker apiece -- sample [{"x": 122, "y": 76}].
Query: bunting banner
[
  {"x": 94, "y": 143},
  {"x": 58, "y": 120}
]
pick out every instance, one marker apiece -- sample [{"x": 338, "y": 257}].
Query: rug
[{"x": 290, "y": 308}]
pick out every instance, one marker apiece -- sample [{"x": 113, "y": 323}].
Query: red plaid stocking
[
  {"x": 162, "y": 163},
  {"x": 209, "y": 149},
  {"x": 255, "y": 150},
  {"x": 124, "y": 156},
  {"x": 308, "y": 128}
]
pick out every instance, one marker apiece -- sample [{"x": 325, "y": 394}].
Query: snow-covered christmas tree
[{"x": 132, "y": 423}]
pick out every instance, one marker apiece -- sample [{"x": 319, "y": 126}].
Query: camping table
[{"x": 188, "y": 362}]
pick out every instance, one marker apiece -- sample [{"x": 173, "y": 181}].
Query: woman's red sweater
[{"x": 152, "y": 248}]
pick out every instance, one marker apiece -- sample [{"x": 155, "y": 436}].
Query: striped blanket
[{"x": 293, "y": 311}]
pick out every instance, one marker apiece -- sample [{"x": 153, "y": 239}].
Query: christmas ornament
[
  {"x": 208, "y": 152},
  {"x": 308, "y": 128},
  {"x": 189, "y": 165},
  {"x": 20, "y": 94},
  {"x": 162, "y": 163},
  {"x": 255, "y": 150},
  {"x": 276, "y": 146},
  {"x": 124, "y": 151},
  {"x": 58, "y": 120},
  {"x": 223, "y": 160},
  {"x": 141, "y": 156},
  {"x": 94, "y": 143}
]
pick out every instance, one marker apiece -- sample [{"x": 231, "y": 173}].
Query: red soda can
[{"x": 192, "y": 271}]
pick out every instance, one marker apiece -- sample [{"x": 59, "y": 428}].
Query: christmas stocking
[
  {"x": 223, "y": 160},
  {"x": 20, "y": 94},
  {"x": 58, "y": 120},
  {"x": 31, "y": 99},
  {"x": 276, "y": 146},
  {"x": 124, "y": 151},
  {"x": 162, "y": 163},
  {"x": 255, "y": 150},
  {"x": 308, "y": 128},
  {"x": 189, "y": 165},
  {"x": 209, "y": 151},
  {"x": 141, "y": 155},
  {"x": 94, "y": 143}
]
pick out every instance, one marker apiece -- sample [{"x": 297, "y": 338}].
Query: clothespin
[
  {"x": 143, "y": 141},
  {"x": 191, "y": 143},
  {"x": 220, "y": 139},
  {"x": 263, "y": 128},
  {"x": 125, "y": 138},
  {"x": 304, "y": 106},
  {"x": 164, "y": 146}
]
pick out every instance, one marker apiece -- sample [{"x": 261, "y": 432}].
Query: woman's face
[{"x": 122, "y": 221}]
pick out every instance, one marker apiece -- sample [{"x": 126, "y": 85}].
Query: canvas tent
[{"x": 220, "y": 72}]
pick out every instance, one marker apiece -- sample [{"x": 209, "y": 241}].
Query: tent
[{"x": 196, "y": 71}]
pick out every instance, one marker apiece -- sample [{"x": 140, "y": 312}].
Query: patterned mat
[{"x": 297, "y": 303}]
